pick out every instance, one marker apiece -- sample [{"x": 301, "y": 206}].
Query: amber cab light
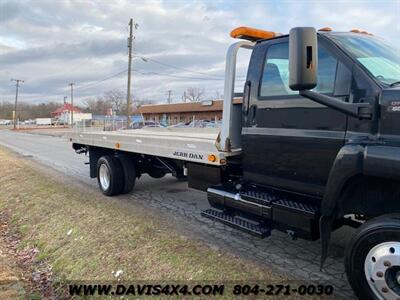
[{"x": 252, "y": 34}]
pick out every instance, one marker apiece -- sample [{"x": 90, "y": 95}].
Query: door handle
[
  {"x": 246, "y": 97},
  {"x": 253, "y": 114}
]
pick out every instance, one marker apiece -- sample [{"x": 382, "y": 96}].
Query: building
[
  {"x": 63, "y": 114},
  {"x": 66, "y": 108},
  {"x": 174, "y": 113}
]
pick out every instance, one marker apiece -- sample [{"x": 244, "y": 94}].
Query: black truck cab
[{"x": 290, "y": 141}]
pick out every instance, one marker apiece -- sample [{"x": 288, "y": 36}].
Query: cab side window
[{"x": 275, "y": 77}]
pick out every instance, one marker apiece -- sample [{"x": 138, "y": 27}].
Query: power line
[
  {"x": 176, "y": 76},
  {"x": 91, "y": 84},
  {"x": 144, "y": 58},
  {"x": 175, "y": 67},
  {"x": 146, "y": 73}
]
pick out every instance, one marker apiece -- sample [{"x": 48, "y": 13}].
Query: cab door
[{"x": 289, "y": 141}]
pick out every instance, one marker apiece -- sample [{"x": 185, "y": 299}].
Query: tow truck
[{"x": 313, "y": 145}]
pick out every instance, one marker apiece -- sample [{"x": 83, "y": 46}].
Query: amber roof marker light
[
  {"x": 252, "y": 34},
  {"x": 355, "y": 30},
  {"x": 327, "y": 29}
]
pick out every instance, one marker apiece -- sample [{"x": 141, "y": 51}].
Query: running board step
[
  {"x": 306, "y": 209},
  {"x": 238, "y": 223},
  {"x": 259, "y": 197}
]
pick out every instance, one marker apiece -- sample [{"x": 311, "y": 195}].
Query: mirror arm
[{"x": 357, "y": 110}]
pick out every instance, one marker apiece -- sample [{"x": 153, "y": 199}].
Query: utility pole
[
  {"x": 16, "y": 100},
  {"x": 72, "y": 103},
  {"x": 128, "y": 94},
  {"x": 169, "y": 92}
]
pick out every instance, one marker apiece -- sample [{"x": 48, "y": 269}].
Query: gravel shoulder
[{"x": 11, "y": 283}]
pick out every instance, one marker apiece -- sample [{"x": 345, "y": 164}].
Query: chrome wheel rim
[
  {"x": 382, "y": 270},
  {"x": 104, "y": 177}
]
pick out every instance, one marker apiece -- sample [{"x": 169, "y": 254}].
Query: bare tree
[
  {"x": 97, "y": 106},
  {"x": 193, "y": 95},
  {"x": 90, "y": 105},
  {"x": 116, "y": 98},
  {"x": 28, "y": 111},
  {"x": 217, "y": 96}
]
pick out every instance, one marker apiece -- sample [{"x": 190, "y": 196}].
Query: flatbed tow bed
[{"x": 187, "y": 144}]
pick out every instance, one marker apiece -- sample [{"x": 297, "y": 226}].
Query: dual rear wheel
[{"x": 116, "y": 175}]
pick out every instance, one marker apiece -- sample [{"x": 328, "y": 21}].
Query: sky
[{"x": 178, "y": 44}]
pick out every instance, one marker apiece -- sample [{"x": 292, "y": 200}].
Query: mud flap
[{"x": 325, "y": 228}]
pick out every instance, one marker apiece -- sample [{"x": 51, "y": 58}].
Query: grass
[{"x": 83, "y": 235}]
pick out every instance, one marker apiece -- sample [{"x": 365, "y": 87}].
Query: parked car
[
  {"x": 143, "y": 124},
  {"x": 5, "y": 122},
  {"x": 117, "y": 125},
  {"x": 179, "y": 125},
  {"x": 198, "y": 123},
  {"x": 214, "y": 124},
  {"x": 29, "y": 122}
]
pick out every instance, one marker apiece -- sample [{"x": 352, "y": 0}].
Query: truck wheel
[
  {"x": 373, "y": 259},
  {"x": 109, "y": 175},
  {"x": 129, "y": 170}
]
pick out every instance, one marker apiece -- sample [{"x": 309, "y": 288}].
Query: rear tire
[
  {"x": 129, "y": 170},
  {"x": 373, "y": 259},
  {"x": 110, "y": 175}
]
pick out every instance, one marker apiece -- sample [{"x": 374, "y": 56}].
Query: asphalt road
[{"x": 298, "y": 259}]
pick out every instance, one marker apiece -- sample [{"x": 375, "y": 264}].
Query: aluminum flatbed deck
[{"x": 188, "y": 144}]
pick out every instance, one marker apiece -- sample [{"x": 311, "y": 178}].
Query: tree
[
  {"x": 218, "y": 95},
  {"x": 97, "y": 106},
  {"x": 90, "y": 105},
  {"x": 116, "y": 98},
  {"x": 28, "y": 111},
  {"x": 193, "y": 95}
]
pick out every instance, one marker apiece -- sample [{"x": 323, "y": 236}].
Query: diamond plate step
[
  {"x": 305, "y": 208},
  {"x": 238, "y": 223},
  {"x": 263, "y": 198}
]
